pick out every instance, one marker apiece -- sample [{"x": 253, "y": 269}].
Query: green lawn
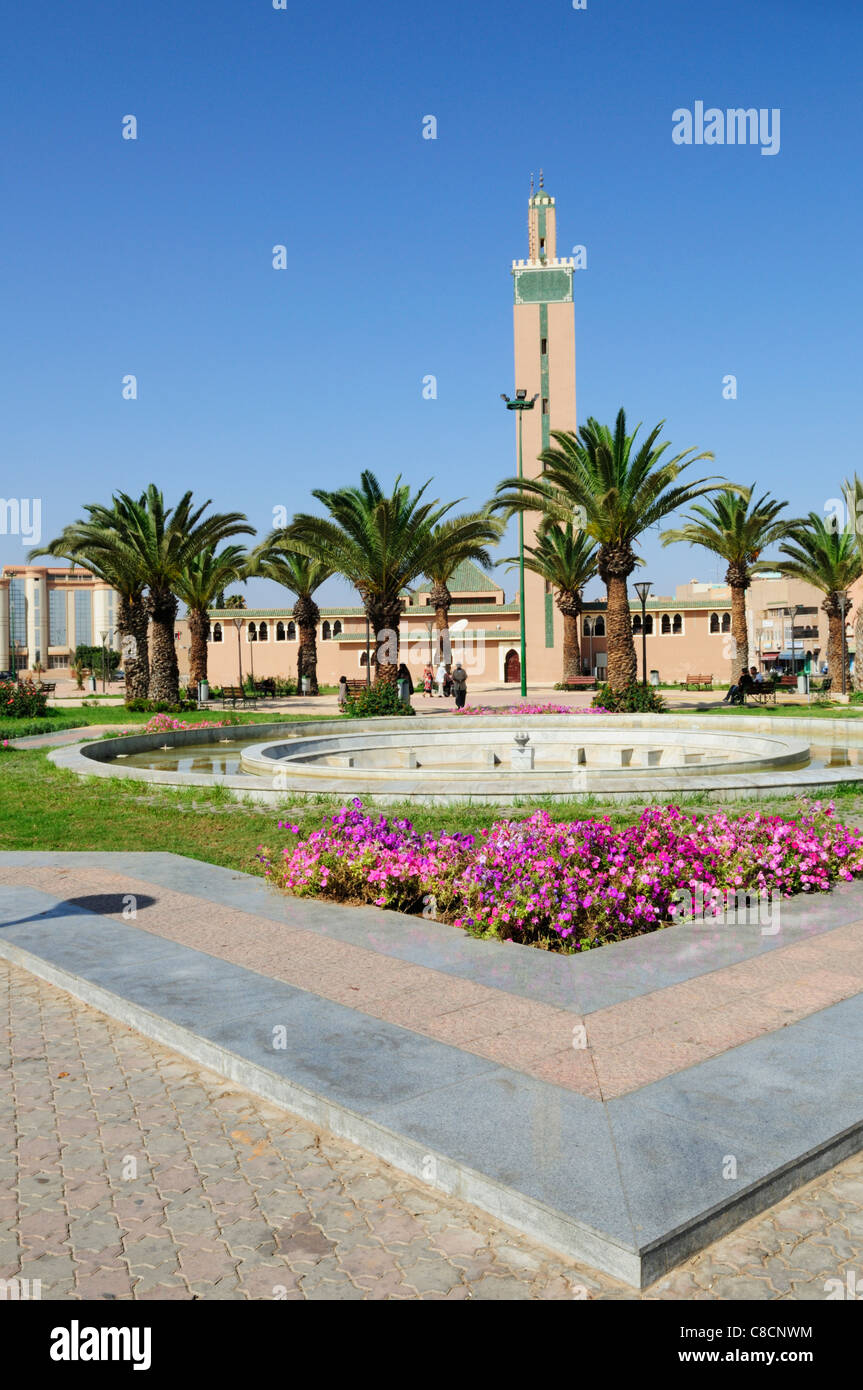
[
  {"x": 82, "y": 715},
  {"x": 45, "y": 807}
]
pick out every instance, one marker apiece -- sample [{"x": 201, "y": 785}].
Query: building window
[
  {"x": 280, "y": 632},
  {"x": 636, "y": 623},
  {"x": 599, "y": 626},
  {"x": 677, "y": 624},
  {"x": 216, "y": 632},
  {"x": 292, "y": 632},
  {"x": 726, "y": 622},
  {"x": 251, "y": 633},
  {"x": 665, "y": 625},
  {"x": 714, "y": 622},
  {"x": 83, "y": 618},
  {"x": 648, "y": 625},
  {"x": 364, "y": 658},
  {"x": 57, "y": 663},
  {"x": 263, "y": 633},
  {"x": 337, "y": 628},
  {"x": 326, "y": 631},
  {"x": 57, "y": 618}
]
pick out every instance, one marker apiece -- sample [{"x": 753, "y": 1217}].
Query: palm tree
[
  {"x": 458, "y": 539},
  {"x": 381, "y": 543},
  {"x": 615, "y": 491},
  {"x": 737, "y": 529},
  {"x": 165, "y": 540},
  {"x": 98, "y": 544},
  {"x": 234, "y": 601},
  {"x": 199, "y": 584},
  {"x": 830, "y": 560},
  {"x": 566, "y": 559},
  {"x": 302, "y": 574}
]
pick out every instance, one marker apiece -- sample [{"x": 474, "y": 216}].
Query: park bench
[
  {"x": 697, "y": 683},
  {"x": 764, "y": 691},
  {"x": 266, "y": 688},
  {"x": 48, "y": 687},
  {"x": 584, "y": 682},
  {"x": 787, "y": 682},
  {"x": 235, "y": 694}
]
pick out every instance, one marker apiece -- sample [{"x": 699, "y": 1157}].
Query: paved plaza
[
  {"x": 232, "y": 1198},
  {"x": 626, "y": 1109}
]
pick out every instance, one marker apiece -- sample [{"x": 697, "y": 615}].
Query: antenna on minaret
[
  {"x": 541, "y": 179},
  {"x": 531, "y": 185}
]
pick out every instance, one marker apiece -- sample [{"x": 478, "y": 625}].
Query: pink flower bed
[
  {"x": 529, "y": 709},
  {"x": 566, "y": 885}
]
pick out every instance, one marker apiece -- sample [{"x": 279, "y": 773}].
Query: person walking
[
  {"x": 428, "y": 678},
  {"x": 405, "y": 684},
  {"x": 440, "y": 677},
  {"x": 459, "y": 685},
  {"x": 343, "y": 693}
]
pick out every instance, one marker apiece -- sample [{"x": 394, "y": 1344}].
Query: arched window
[
  {"x": 216, "y": 633},
  {"x": 363, "y": 656},
  {"x": 599, "y": 626},
  {"x": 636, "y": 623},
  {"x": 337, "y": 628},
  {"x": 726, "y": 622},
  {"x": 648, "y": 624},
  {"x": 714, "y": 622},
  {"x": 677, "y": 625},
  {"x": 251, "y": 633},
  {"x": 292, "y": 632},
  {"x": 280, "y": 632},
  {"x": 263, "y": 633},
  {"x": 326, "y": 631},
  {"x": 587, "y": 627},
  {"x": 665, "y": 625}
]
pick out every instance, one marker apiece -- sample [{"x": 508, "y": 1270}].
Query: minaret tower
[{"x": 544, "y": 326}]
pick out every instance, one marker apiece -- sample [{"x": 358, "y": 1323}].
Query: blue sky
[{"x": 303, "y": 127}]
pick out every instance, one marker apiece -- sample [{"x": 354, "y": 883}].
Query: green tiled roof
[{"x": 467, "y": 579}]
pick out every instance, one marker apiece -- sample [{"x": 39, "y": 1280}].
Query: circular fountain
[{"x": 499, "y": 759}]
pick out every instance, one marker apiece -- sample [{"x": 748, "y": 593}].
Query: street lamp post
[
  {"x": 238, "y": 623},
  {"x": 368, "y": 653},
  {"x": 520, "y": 404},
  {"x": 103, "y": 636},
  {"x": 643, "y": 589}
]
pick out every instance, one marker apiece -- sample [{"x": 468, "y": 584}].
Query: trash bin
[
  {"x": 91, "y": 684},
  {"x": 404, "y": 692},
  {"x": 803, "y": 683},
  {"x": 306, "y": 684},
  {"x": 654, "y": 678},
  {"x": 203, "y": 692}
]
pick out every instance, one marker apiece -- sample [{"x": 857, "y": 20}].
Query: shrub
[
  {"x": 92, "y": 657},
  {"x": 22, "y": 699},
  {"x": 570, "y": 685},
  {"x": 376, "y": 700},
  {"x": 160, "y": 706},
  {"x": 634, "y": 699}
]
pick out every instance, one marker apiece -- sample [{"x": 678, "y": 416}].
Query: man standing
[{"x": 459, "y": 685}]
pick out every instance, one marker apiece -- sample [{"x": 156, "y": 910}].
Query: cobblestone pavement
[{"x": 133, "y": 1173}]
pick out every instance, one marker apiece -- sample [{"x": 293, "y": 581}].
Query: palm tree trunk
[
  {"x": 739, "y": 634},
  {"x": 199, "y": 631},
  {"x": 858, "y": 650},
  {"x": 164, "y": 671},
  {"x": 622, "y": 665},
  {"x": 441, "y": 599},
  {"x": 133, "y": 625},
  {"x": 385, "y": 618},
  {"x": 307, "y": 656},
  {"x": 835, "y": 644},
  {"x": 570, "y": 608}
]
